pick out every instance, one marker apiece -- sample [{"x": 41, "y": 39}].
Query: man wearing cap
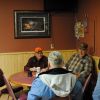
[
  {"x": 57, "y": 81},
  {"x": 80, "y": 64},
  {"x": 38, "y": 60}
]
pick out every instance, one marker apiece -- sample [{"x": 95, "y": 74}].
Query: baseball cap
[
  {"x": 56, "y": 57},
  {"x": 38, "y": 49},
  {"x": 83, "y": 46}
]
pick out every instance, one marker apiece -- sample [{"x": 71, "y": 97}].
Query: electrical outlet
[{"x": 52, "y": 46}]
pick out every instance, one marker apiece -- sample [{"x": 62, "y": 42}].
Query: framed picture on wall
[{"x": 31, "y": 24}]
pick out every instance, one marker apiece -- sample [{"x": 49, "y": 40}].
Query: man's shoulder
[
  {"x": 38, "y": 82},
  {"x": 32, "y": 58},
  {"x": 44, "y": 57},
  {"x": 89, "y": 58}
]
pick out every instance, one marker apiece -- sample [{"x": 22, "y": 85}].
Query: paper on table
[
  {"x": 33, "y": 69},
  {"x": 37, "y": 69}
]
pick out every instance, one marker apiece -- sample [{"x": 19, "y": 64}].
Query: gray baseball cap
[{"x": 83, "y": 46}]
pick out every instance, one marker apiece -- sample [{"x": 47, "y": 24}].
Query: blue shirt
[
  {"x": 96, "y": 93},
  {"x": 39, "y": 90}
]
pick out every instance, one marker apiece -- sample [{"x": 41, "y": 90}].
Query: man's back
[{"x": 54, "y": 82}]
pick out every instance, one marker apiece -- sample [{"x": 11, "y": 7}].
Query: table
[{"x": 21, "y": 78}]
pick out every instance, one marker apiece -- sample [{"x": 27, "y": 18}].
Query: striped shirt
[{"x": 82, "y": 65}]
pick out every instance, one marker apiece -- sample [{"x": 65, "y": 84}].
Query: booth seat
[
  {"x": 14, "y": 62},
  {"x": 96, "y": 58}
]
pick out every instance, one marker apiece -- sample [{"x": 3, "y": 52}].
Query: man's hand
[
  {"x": 77, "y": 75},
  {"x": 45, "y": 69}
]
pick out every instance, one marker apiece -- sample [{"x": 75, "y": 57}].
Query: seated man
[
  {"x": 57, "y": 81},
  {"x": 96, "y": 93},
  {"x": 38, "y": 60},
  {"x": 80, "y": 63}
]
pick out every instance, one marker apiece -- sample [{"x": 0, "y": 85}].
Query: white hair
[{"x": 56, "y": 58}]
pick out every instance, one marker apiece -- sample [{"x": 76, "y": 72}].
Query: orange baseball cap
[{"x": 38, "y": 49}]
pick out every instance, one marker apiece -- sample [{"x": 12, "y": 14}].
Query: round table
[{"x": 21, "y": 78}]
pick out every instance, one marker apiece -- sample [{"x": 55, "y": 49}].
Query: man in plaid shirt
[{"x": 80, "y": 63}]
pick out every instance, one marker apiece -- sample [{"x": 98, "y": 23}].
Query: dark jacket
[
  {"x": 2, "y": 83},
  {"x": 33, "y": 62}
]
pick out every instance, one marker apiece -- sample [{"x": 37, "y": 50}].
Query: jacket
[
  {"x": 55, "y": 82},
  {"x": 33, "y": 62}
]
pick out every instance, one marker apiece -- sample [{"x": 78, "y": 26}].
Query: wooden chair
[
  {"x": 9, "y": 88},
  {"x": 86, "y": 82},
  {"x": 11, "y": 93},
  {"x": 85, "y": 90}
]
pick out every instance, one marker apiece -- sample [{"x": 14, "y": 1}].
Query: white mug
[{"x": 38, "y": 69}]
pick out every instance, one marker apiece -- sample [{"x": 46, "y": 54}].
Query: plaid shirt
[{"x": 82, "y": 65}]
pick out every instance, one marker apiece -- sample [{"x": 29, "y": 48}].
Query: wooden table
[{"x": 21, "y": 78}]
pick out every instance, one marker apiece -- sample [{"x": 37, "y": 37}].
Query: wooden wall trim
[{"x": 14, "y": 62}]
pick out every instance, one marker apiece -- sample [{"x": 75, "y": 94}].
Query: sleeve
[
  {"x": 36, "y": 90},
  {"x": 45, "y": 62},
  {"x": 87, "y": 69},
  {"x": 29, "y": 64},
  {"x": 69, "y": 61}
]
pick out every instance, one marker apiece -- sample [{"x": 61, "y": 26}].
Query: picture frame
[{"x": 31, "y": 24}]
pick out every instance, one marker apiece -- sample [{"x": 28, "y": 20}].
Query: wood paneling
[{"x": 14, "y": 62}]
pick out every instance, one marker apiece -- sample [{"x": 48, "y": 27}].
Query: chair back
[
  {"x": 61, "y": 98},
  {"x": 86, "y": 82},
  {"x": 9, "y": 88}
]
